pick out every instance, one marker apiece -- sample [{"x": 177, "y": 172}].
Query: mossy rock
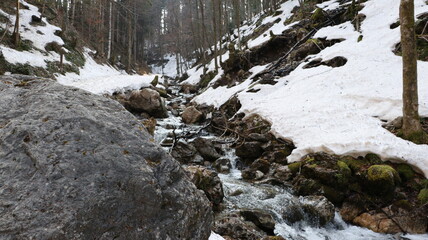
[
  {"x": 373, "y": 158},
  {"x": 206, "y": 79},
  {"x": 75, "y": 57},
  {"x": 295, "y": 167},
  {"x": 344, "y": 168},
  {"x": 405, "y": 171},
  {"x": 356, "y": 164},
  {"x": 155, "y": 81},
  {"x": 305, "y": 187},
  {"x": 423, "y": 196},
  {"x": 333, "y": 195},
  {"x": 382, "y": 179},
  {"x": 318, "y": 15}
]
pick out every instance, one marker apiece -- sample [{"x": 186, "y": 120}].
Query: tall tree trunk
[
  {"x": 411, "y": 122},
  {"x": 110, "y": 30},
  {"x": 220, "y": 35},
  {"x": 215, "y": 33},
  {"x": 16, "y": 29}
]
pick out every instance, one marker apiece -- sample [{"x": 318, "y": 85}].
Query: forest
[{"x": 214, "y": 119}]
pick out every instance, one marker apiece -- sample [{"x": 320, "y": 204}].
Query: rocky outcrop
[{"x": 78, "y": 166}]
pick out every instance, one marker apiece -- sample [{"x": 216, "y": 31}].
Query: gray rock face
[{"x": 78, "y": 166}]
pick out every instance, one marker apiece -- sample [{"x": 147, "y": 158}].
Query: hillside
[
  {"x": 40, "y": 54},
  {"x": 335, "y": 109}
]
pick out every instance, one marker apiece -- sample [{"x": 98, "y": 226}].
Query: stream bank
[{"x": 256, "y": 193}]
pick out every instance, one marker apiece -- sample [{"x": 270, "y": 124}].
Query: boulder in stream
[
  {"x": 79, "y": 166},
  {"x": 148, "y": 101},
  {"x": 191, "y": 115},
  {"x": 207, "y": 181}
]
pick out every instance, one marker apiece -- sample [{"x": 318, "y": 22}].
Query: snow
[
  {"x": 215, "y": 236},
  {"x": 103, "y": 79},
  {"x": 170, "y": 68},
  {"x": 340, "y": 110},
  {"x": 277, "y": 28},
  {"x": 38, "y": 35}
]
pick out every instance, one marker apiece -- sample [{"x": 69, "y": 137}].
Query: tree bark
[
  {"x": 16, "y": 29},
  {"x": 411, "y": 121}
]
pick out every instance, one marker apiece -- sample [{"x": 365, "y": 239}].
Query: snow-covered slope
[
  {"x": 103, "y": 79},
  {"x": 94, "y": 77},
  {"x": 339, "y": 110},
  {"x": 38, "y": 35}
]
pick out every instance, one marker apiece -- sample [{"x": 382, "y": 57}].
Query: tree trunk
[
  {"x": 16, "y": 29},
  {"x": 411, "y": 122},
  {"x": 215, "y": 34},
  {"x": 110, "y": 30}
]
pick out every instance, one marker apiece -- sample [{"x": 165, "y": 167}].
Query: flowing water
[{"x": 273, "y": 199}]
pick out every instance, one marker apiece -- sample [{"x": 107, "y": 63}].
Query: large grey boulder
[
  {"x": 146, "y": 101},
  {"x": 79, "y": 166}
]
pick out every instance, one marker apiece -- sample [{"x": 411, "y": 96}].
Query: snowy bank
[
  {"x": 103, "y": 79},
  {"x": 340, "y": 110}
]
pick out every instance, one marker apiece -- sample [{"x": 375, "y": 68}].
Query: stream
[{"x": 272, "y": 199}]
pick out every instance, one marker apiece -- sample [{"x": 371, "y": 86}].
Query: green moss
[
  {"x": 356, "y": 165},
  {"x": 420, "y": 137},
  {"x": 403, "y": 204},
  {"x": 383, "y": 173},
  {"x": 405, "y": 171},
  {"x": 373, "y": 158},
  {"x": 318, "y": 15},
  {"x": 75, "y": 57},
  {"x": 155, "y": 81},
  {"x": 295, "y": 167},
  {"x": 423, "y": 196},
  {"x": 206, "y": 79},
  {"x": 332, "y": 194},
  {"x": 360, "y": 38},
  {"x": 316, "y": 41},
  {"x": 344, "y": 168}
]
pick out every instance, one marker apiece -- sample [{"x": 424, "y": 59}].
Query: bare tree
[{"x": 16, "y": 29}]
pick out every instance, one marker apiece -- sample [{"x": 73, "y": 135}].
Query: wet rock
[
  {"x": 391, "y": 220},
  {"x": 261, "y": 165},
  {"x": 350, "y": 211},
  {"x": 207, "y": 181},
  {"x": 184, "y": 152},
  {"x": 191, "y": 115},
  {"x": 258, "y": 137},
  {"x": 236, "y": 193},
  {"x": 249, "y": 151},
  {"x": 283, "y": 173},
  {"x": 222, "y": 165},
  {"x": 233, "y": 226},
  {"x": 293, "y": 213},
  {"x": 260, "y": 218},
  {"x": 206, "y": 149},
  {"x": 79, "y": 166},
  {"x": 319, "y": 208},
  {"x": 148, "y": 101}
]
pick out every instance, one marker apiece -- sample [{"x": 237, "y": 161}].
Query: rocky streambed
[{"x": 256, "y": 194}]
